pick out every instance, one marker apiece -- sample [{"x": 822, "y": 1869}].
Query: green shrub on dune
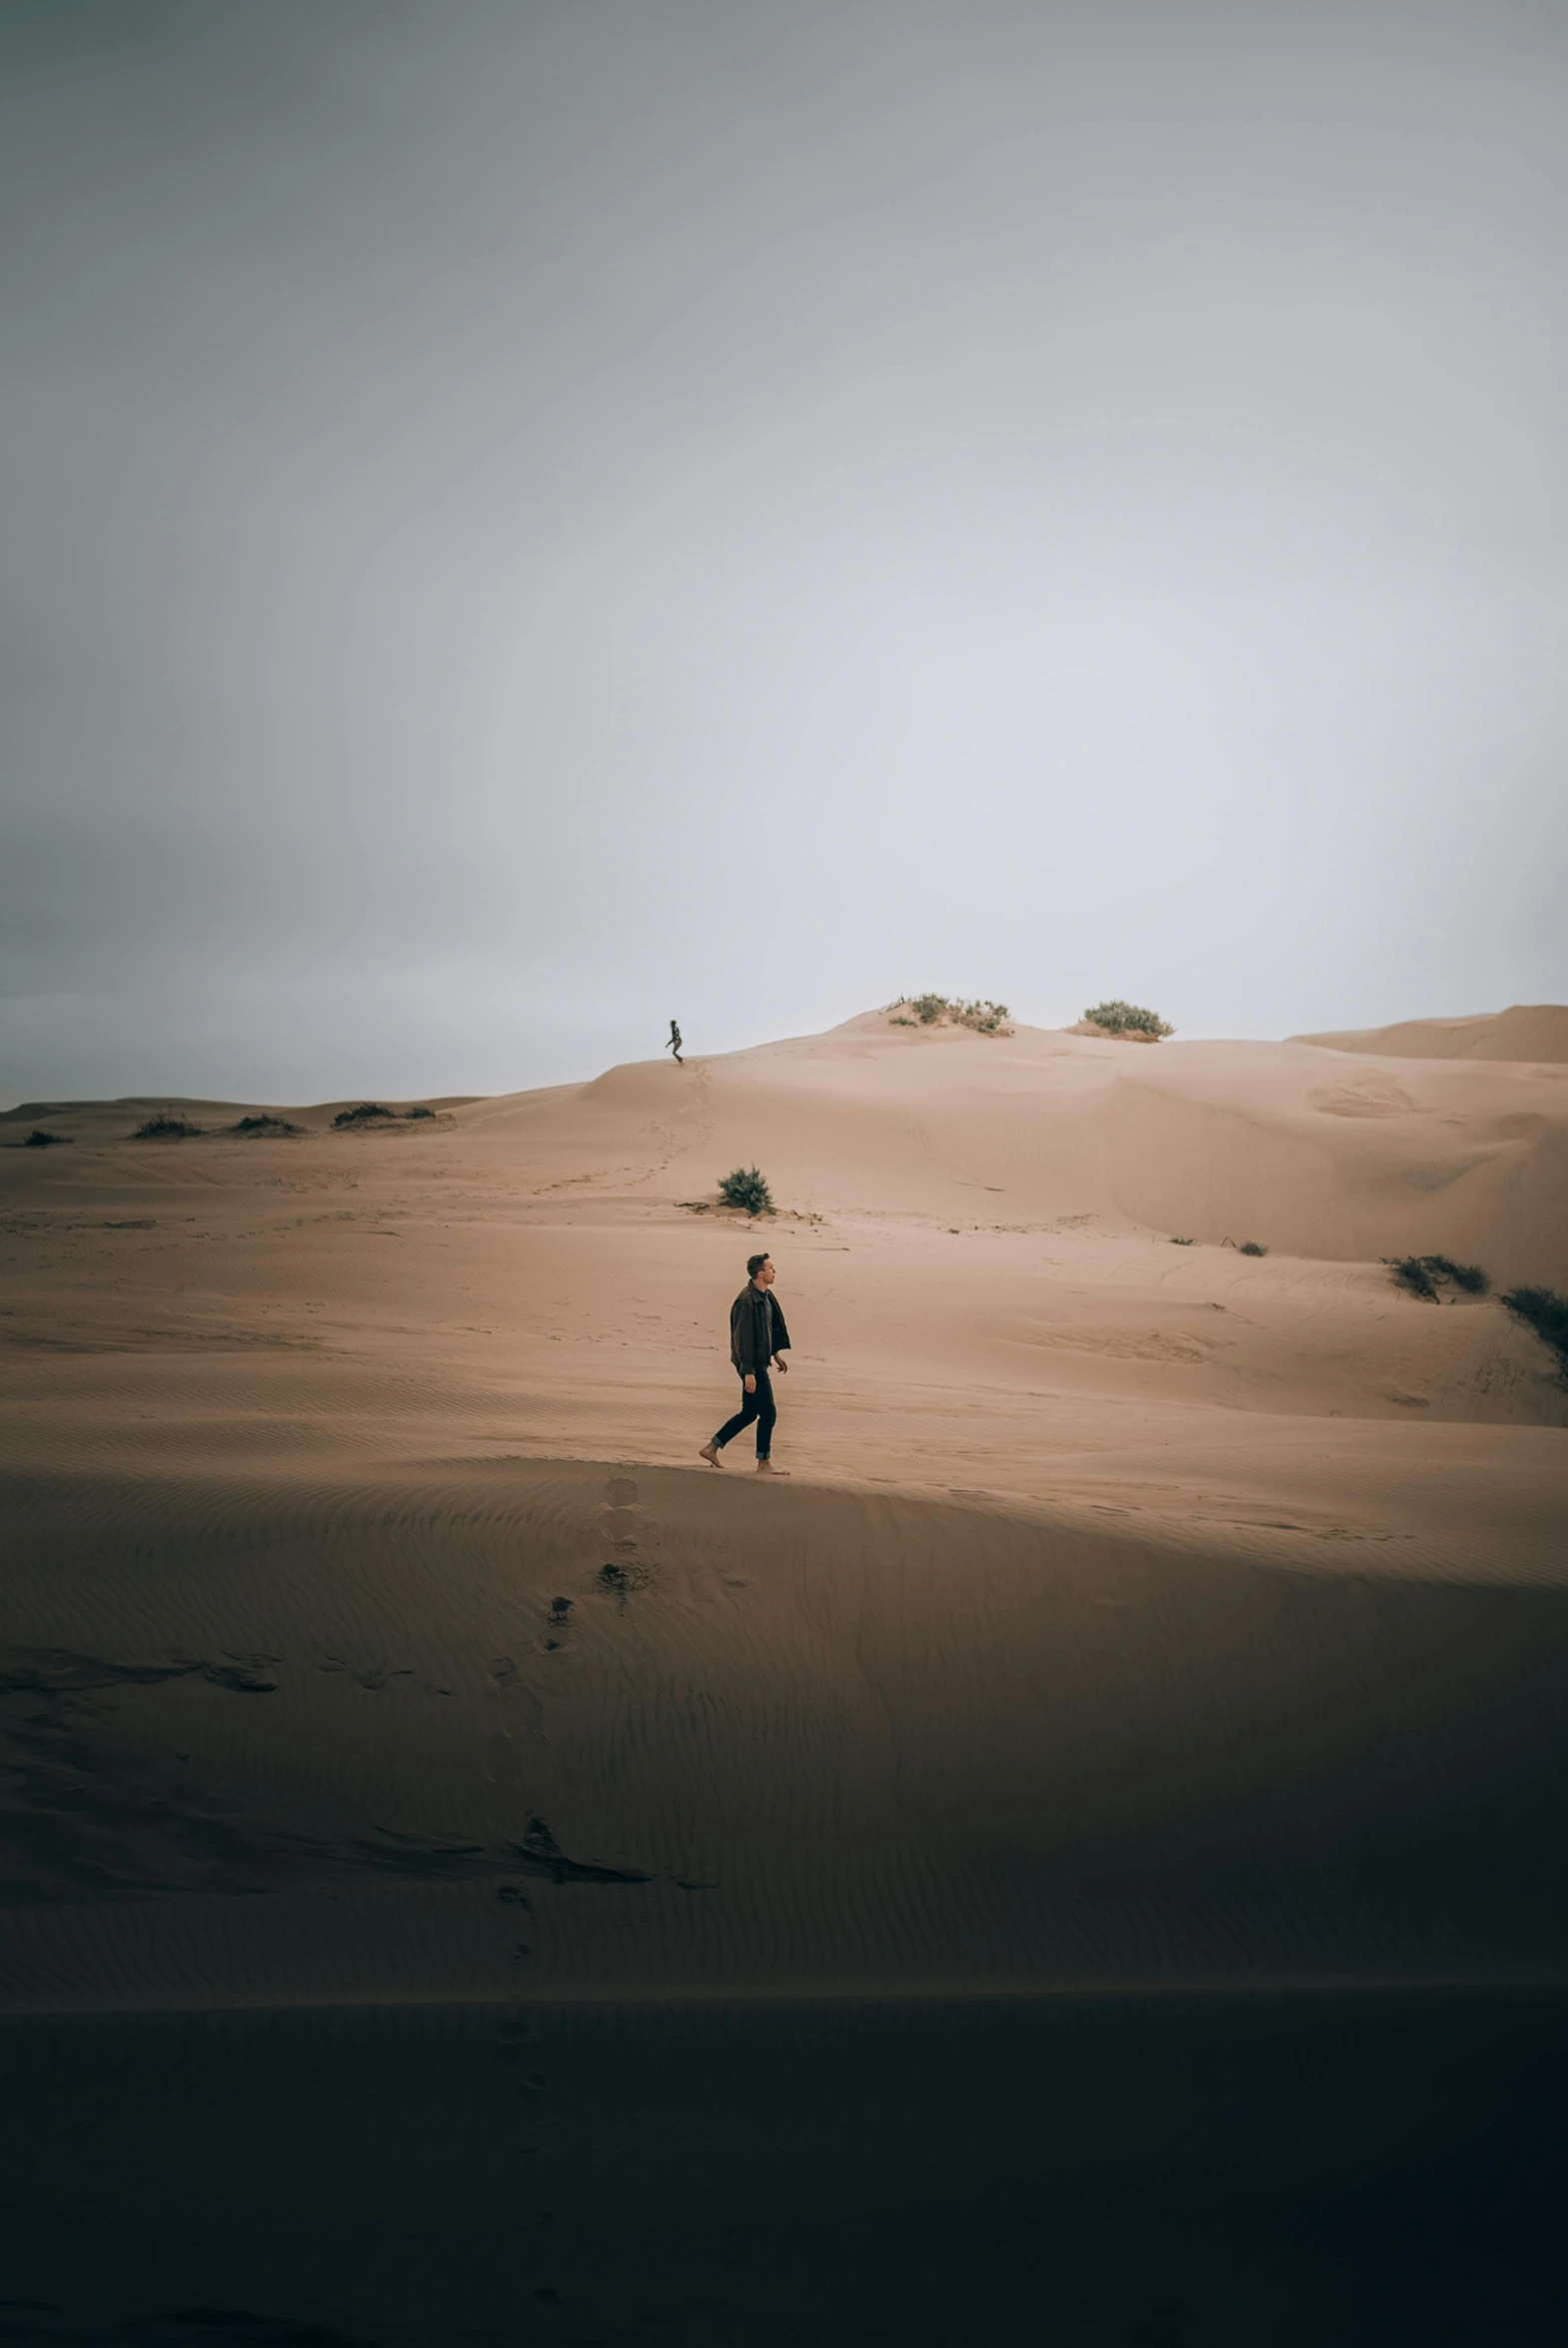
[
  {"x": 934, "y": 1011},
  {"x": 1547, "y": 1314},
  {"x": 1128, "y": 1018},
  {"x": 748, "y": 1188},
  {"x": 1426, "y": 1275},
  {"x": 165, "y": 1126}
]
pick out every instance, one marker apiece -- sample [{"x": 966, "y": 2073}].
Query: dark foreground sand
[
  {"x": 1310, "y": 2171},
  {"x": 552, "y": 1904},
  {"x": 588, "y": 1732}
]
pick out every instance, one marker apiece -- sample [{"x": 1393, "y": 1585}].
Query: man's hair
[{"x": 754, "y": 1264}]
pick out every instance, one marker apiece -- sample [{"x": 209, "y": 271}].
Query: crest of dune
[
  {"x": 1211, "y": 1139},
  {"x": 1526, "y": 1031}
]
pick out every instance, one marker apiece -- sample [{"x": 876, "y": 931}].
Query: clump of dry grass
[
  {"x": 934, "y": 1011},
  {"x": 1426, "y": 1275},
  {"x": 165, "y": 1126},
  {"x": 1128, "y": 1018},
  {"x": 1547, "y": 1314}
]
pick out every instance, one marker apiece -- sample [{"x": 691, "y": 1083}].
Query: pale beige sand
[
  {"x": 1137, "y": 1612},
  {"x": 1526, "y": 1031}
]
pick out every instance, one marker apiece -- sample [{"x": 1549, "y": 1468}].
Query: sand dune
[
  {"x": 1526, "y": 1031},
  {"x": 1138, "y": 1612},
  {"x": 1274, "y": 1143}
]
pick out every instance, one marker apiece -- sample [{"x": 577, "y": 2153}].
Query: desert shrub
[
  {"x": 1468, "y": 1277},
  {"x": 1128, "y": 1018},
  {"x": 367, "y": 1114},
  {"x": 746, "y": 1187},
  {"x": 413, "y": 1112},
  {"x": 1423, "y": 1275},
  {"x": 984, "y": 1016},
  {"x": 1181, "y": 1243},
  {"x": 1547, "y": 1314},
  {"x": 898, "y": 1021},
  {"x": 1411, "y": 1275},
  {"x": 165, "y": 1126},
  {"x": 987, "y": 1018},
  {"x": 41, "y": 1139},
  {"x": 263, "y": 1125},
  {"x": 1252, "y": 1247}
]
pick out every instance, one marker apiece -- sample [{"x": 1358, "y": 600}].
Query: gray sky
[{"x": 524, "y": 519}]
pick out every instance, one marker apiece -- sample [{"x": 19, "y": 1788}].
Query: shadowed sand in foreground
[{"x": 571, "y": 1730}]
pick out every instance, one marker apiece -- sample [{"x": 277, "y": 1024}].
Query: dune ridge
[{"x": 1525, "y": 1032}]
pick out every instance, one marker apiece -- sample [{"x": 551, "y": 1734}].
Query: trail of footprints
[{"x": 72, "y": 1687}]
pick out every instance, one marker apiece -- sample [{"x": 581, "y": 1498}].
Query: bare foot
[
  {"x": 709, "y": 1452},
  {"x": 766, "y": 1467}
]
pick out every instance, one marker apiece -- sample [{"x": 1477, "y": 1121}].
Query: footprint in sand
[
  {"x": 504, "y": 1672},
  {"x": 242, "y": 1678},
  {"x": 519, "y": 2050},
  {"x": 621, "y": 1491},
  {"x": 618, "y": 1581}
]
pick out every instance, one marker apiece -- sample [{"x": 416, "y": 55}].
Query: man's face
[{"x": 764, "y": 1277}]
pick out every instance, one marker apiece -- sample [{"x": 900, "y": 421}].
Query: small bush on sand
[
  {"x": 1547, "y": 1314},
  {"x": 1128, "y": 1018},
  {"x": 41, "y": 1139},
  {"x": 1426, "y": 1275},
  {"x": 1181, "y": 1243},
  {"x": 1468, "y": 1277},
  {"x": 414, "y": 1112},
  {"x": 263, "y": 1125},
  {"x": 1252, "y": 1247},
  {"x": 987, "y": 1018},
  {"x": 369, "y": 1113},
  {"x": 746, "y": 1187},
  {"x": 165, "y": 1126},
  {"x": 931, "y": 1011},
  {"x": 1411, "y": 1275}
]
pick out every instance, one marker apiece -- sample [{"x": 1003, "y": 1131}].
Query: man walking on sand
[{"x": 758, "y": 1338}]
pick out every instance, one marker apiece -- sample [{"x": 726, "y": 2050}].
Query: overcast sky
[{"x": 524, "y": 519}]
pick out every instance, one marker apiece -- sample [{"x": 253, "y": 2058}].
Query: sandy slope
[
  {"x": 1137, "y": 1611},
  {"x": 1526, "y": 1031}
]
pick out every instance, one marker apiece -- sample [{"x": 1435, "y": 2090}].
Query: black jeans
[{"x": 759, "y": 1407}]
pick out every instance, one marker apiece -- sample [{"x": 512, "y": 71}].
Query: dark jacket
[{"x": 750, "y": 1349}]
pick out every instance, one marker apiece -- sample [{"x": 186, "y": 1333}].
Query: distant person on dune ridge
[
  {"x": 675, "y": 1043},
  {"x": 758, "y": 1340}
]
